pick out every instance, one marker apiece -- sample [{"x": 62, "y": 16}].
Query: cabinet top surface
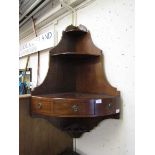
[{"x": 71, "y": 95}]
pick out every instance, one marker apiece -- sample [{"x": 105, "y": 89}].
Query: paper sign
[
  {"x": 117, "y": 111},
  {"x": 98, "y": 101}
]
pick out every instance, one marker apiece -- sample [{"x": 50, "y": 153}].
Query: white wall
[{"x": 111, "y": 23}]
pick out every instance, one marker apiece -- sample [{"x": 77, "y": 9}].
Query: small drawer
[
  {"x": 41, "y": 106},
  {"x": 73, "y": 107},
  {"x": 106, "y": 107}
]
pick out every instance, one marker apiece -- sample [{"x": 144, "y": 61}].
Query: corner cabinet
[{"x": 75, "y": 95}]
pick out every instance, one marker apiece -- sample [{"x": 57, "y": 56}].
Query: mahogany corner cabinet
[{"x": 75, "y": 95}]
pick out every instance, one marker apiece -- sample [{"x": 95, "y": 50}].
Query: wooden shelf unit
[{"x": 75, "y": 91}]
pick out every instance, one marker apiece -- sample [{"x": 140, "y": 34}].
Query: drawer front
[
  {"x": 73, "y": 107},
  {"x": 41, "y": 106},
  {"x": 105, "y": 107}
]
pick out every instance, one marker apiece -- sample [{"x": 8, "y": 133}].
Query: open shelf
[
  {"x": 75, "y": 54},
  {"x": 74, "y": 95}
]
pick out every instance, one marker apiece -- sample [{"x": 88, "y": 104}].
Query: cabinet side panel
[
  {"x": 37, "y": 136},
  {"x": 91, "y": 77}
]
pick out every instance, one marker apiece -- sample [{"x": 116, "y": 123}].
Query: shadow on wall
[{"x": 103, "y": 133}]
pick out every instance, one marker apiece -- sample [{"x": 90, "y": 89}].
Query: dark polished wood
[
  {"x": 75, "y": 86},
  {"x": 73, "y": 105},
  {"x": 37, "y": 136}
]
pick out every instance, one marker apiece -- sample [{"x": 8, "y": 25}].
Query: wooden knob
[
  {"x": 39, "y": 105},
  {"x": 75, "y": 108}
]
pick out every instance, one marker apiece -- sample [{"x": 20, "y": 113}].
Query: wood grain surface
[{"x": 37, "y": 136}]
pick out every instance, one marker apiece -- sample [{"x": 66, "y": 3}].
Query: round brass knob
[
  {"x": 39, "y": 105},
  {"x": 110, "y": 105},
  {"x": 75, "y": 108}
]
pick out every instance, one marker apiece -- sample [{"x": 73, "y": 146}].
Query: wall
[{"x": 111, "y": 23}]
